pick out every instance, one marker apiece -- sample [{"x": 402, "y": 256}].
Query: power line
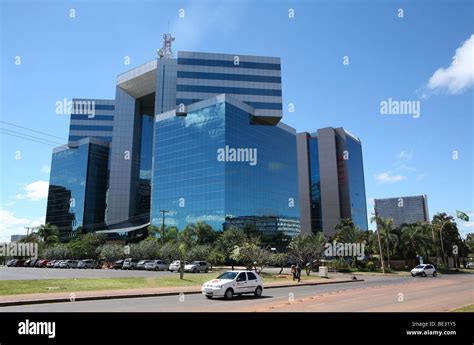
[
  {"x": 27, "y": 138},
  {"x": 31, "y": 136},
  {"x": 32, "y": 130}
]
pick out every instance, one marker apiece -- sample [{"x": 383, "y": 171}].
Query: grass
[
  {"x": 466, "y": 309},
  {"x": 14, "y": 287}
]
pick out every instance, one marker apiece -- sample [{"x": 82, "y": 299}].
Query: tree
[
  {"x": 279, "y": 260},
  {"x": 111, "y": 252},
  {"x": 199, "y": 252},
  {"x": 447, "y": 233},
  {"x": 414, "y": 240},
  {"x": 387, "y": 234},
  {"x": 228, "y": 241},
  {"x": 85, "y": 246},
  {"x": 154, "y": 231},
  {"x": 188, "y": 235},
  {"x": 205, "y": 234},
  {"x": 307, "y": 249},
  {"x": 347, "y": 232},
  {"x": 49, "y": 233},
  {"x": 252, "y": 256},
  {"x": 215, "y": 257}
]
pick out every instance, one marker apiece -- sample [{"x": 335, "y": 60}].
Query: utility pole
[
  {"x": 163, "y": 212},
  {"x": 28, "y": 228}
]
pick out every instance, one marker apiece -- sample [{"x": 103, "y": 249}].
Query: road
[{"x": 376, "y": 293}]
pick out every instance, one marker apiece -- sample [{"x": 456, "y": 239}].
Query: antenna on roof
[{"x": 165, "y": 51}]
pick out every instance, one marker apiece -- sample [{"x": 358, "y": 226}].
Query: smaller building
[
  {"x": 331, "y": 180},
  {"x": 403, "y": 210},
  {"x": 15, "y": 238},
  {"x": 77, "y": 187}
]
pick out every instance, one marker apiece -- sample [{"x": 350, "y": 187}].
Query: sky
[{"x": 341, "y": 60}]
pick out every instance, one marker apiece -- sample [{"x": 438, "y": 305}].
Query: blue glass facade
[
  {"x": 77, "y": 188},
  {"x": 315, "y": 186},
  {"x": 356, "y": 183},
  {"x": 193, "y": 181}
]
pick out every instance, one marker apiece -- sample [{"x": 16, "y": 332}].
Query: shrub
[{"x": 370, "y": 266}]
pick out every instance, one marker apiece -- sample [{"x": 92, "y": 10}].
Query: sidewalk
[{"x": 55, "y": 297}]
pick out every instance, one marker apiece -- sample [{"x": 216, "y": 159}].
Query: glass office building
[
  {"x": 216, "y": 165},
  {"x": 403, "y": 210},
  {"x": 77, "y": 187},
  {"x": 200, "y": 137},
  {"x": 331, "y": 180}
]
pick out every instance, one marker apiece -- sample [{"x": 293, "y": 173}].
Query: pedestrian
[
  {"x": 293, "y": 271},
  {"x": 298, "y": 272}
]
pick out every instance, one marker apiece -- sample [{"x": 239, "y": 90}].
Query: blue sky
[{"x": 389, "y": 57}]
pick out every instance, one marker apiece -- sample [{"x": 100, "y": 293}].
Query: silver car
[
  {"x": 57, "y": 263},
  {"x": 130, "y": 264},
  {"x": 87, "y": 264},
  {"x": 156, "y": 265},
  {"x": 197, "y": 267},
  {"x": 68, "y": 264},
  {"x": 141, "y": 264}
]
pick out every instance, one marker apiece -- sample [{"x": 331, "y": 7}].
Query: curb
[{"x": 151, "y": 294}]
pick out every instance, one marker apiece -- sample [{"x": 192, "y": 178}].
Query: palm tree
[
  {"x": 385, "y": 226},
  {"x": 414, "y": 239},
  {"x": 49, "y": 233},
  {"x": 347, "y": 232},
  {"x": 447, "y": 231}
]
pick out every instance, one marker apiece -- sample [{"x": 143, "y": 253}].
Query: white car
[
  {"x": 233, "y": 283},
  {"x": 174, "y": 266},
  {"x": 423, "y": 270}
]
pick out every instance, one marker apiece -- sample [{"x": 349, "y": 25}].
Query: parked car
[
  {"x": 11, "y": 262},
  {"x": 57, "y": 263},
  {"x": 232, "y": 283},
  {"x": 423, "y": 270},
  {"x": 33, "y": 262},
  {"x": 41, "y": 263},
  {"x": 470, "y": 265},
  {"x": 130, "y": 264},
  {"x": 27, "y": 263},
  {"x": 118, "y": 264},
  {"x": 88, "y": 264},
  {"x": 174, "y": 266},
  {"x": 197, "y": 266},
  {"x": 51, "y": 263},
  {"x": 141, "y": 264},
  {"x": 68, "y": 264},
  {"x": 156, "y": 265},
  {"x": 18, "y": 263}
]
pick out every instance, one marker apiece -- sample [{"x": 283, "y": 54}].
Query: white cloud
[
  {"x": 11, "y": 225},
  {"x": 45, "y": 169},
  {"x": 405, "y": 155},
  {"x": 35, "y": 191},
  {"x": 459, "y": 75},
  {"x": 388, "y": 177}
]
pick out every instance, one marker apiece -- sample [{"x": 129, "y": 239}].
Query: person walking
[
  {"x": 298, "y": 272},
  {"x": 293, "y": 271}
]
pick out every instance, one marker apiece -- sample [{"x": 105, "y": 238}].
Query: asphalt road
[
  {"x": 374, "y": 294},
  {"x": 23, "y": 273}
]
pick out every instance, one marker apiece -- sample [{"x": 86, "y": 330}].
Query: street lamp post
[{"x": 163, "y": 212}]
